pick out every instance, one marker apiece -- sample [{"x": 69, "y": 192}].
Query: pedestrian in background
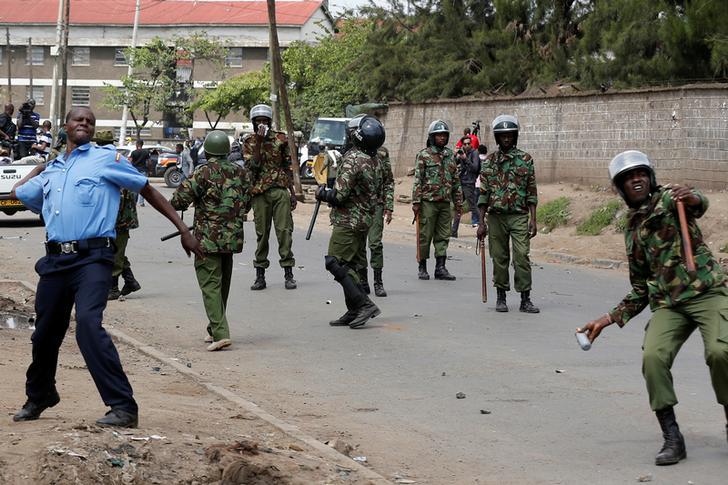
[
  {"x": 139, "y": 159},
  {"x": 680, "y": 300},
  {"x": 28, "y": 122},
  {"x": 220, "y": 192},
  {"x": 78, "y": 195},
  {"x": 469, "y": 170},
  {"x": 436, "y": 185},
  {"x": 508, "y": 196}
]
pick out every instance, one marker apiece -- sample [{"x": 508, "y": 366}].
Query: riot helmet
[
  {"x": 505, "y": 124},
  {"x": 366, "y": 133},
  {"x": 216, "y": 144},
  {"x": 261, "y": 110},
  {"x": 437, "y": 126},
  {"x": 624, "y": 163}
]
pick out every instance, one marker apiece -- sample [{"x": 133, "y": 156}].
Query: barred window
[
  {"x": 36, "y": 54},
  {"x": 2, "y": 53},
  {"x": 80, "y": 96},
  {"x": 120, "y": 57},
  {"x": 81, "y": 56},
  {"x": 38, "y": 94},
  {"x": 234, "y": 57},
  {"x": 131, "y": 132}
]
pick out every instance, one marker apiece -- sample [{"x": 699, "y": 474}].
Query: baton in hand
[
  {"x": 174, "y": 234},
  {"x": 687, "y": 245},
  {"x": 313, "y": 220},
  {"x": 480, "y": 248},
  {"x": 416, "y": 221}
]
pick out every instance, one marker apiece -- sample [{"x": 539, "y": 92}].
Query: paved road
[{"x": 555, "y": 414}]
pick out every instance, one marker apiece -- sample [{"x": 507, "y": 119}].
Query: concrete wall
[{"x": 572, "y": 138}]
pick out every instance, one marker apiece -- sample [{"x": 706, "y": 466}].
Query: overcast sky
[{"x": 338, "y": 5}]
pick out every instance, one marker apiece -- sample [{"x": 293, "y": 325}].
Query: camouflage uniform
[
  {"x": 220, "y": 191},
  {"x": 359, "y": 186},
  {"x": 508, "y": 189},
  {"x": 384, "y": 202},
  {"x": 272, "y": 179},
  {"x": 436, "y": 185},
  {"x": 125, "y": 221},
  {"x": 680, "y": 301}
]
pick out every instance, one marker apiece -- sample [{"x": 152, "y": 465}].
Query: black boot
[
  {"x": 259, "y": 283},
  {"x": 526, "y": 305},
  {"x": 364, "y": 280},
  {"x": 378, "y": 285},
  {"x": 500, "y": 302},
  {"x": 130, "y": 283},
  {"x": 423, "y": 274},
  {"x": 674, "y": 448},
  {"x": 288, "y": 275},
  {"x": 441, "y": 272},
  {"x": 114, "y": 292},
  {"x": 360, "y": 306}
]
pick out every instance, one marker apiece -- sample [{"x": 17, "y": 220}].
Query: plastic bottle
[{"x": 583, "y": 340}]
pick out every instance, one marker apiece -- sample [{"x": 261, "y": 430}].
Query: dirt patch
[{"x": 187, "y": 434}]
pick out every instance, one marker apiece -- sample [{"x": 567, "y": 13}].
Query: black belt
[{"x": 73, "y": 247}]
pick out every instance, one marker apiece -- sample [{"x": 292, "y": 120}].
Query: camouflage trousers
[
  {"x": 505, "y": 230},
  {"x": 374, "y": 238},
  {"x": 434, "y": 228},
  {"x": 273, "y": 207},
  {"x": 669, "y": 328},
  {"x": 121, "y": 262},
  {"x": 213, "y": 275},
  {"x": 349, "y": 247}
]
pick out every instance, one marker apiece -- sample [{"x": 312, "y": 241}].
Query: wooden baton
[
  {"x": 687, "y": 245},
  {"x": 417, "y": 235},
  {"x": 483, "y": 277}
]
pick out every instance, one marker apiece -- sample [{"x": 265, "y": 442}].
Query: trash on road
[
  {"x": 484, "y": 411},
  {"x": 460, "y": 395},
  {"x": 360, "y": 459},
  {"x": 560, "y": 371},
  {"x": 645, "y": 478}
]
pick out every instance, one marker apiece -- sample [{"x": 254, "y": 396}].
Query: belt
[{"x": 73, "y": 247}]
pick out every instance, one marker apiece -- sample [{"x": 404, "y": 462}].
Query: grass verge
[
  {"x": 553, "y": 214},
  {"x": 599, "y": 219}
]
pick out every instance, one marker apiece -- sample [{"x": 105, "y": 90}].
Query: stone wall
[{"x": 572, "y": 138}]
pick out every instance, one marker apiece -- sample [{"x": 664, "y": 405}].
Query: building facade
[{"x": 101, "y": 30}]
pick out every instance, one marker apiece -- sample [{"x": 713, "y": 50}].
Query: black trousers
[{"x": 82, "y": 279}]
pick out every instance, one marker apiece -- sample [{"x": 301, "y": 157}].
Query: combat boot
[
  {"x": 441, "y": 272},
  {"x": 259, "y": 283},
  {"x": 114, "y": 292},
  {"x": 673, "y": 450},
  {"x": 364, "y": 312},
  {"x": 130, "y": 283},
  {"x": 378, "y": 285},
  {"x": 423, "y": 274},
  {"x": 288, "y": 275},
  {"x": 526, "y": 305},
  {"x": 364, "y": 280},
  {"x": 500, "y": 301}
]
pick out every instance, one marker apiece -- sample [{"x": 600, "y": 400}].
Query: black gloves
[{"x": 324, "y": 194}]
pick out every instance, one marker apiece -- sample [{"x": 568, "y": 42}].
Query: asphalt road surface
[{"x": 537, "y": 409}]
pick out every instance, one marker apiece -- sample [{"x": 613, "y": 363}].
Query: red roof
[{"x": 157, "y": 12}]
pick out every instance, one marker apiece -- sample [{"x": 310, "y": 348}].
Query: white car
[{"x": 9, "y": 176}]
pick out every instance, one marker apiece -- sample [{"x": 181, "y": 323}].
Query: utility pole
[
  {"x": 278, "y": 74},
  {"x": 64, "y": 57},
  {"x": 54, "y": 87},
  {"x": 10, "y": 62},
  {"x": 30, "y": 66},
  {"x": 273, "y": 39},
  {"x": 129, "y": 72}
]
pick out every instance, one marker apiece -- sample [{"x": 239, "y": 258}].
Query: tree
[
  {"x": 163, "y": 77},
  {"x": 234, "y": 94}
]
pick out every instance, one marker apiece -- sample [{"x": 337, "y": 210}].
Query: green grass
[
  {"x": 599, "y": 219},
  {"x": 724, "y": 248},
  {"x": 553, "y": 214}
]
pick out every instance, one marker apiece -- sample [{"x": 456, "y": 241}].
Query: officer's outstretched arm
[{"x": 157, "y": 200}]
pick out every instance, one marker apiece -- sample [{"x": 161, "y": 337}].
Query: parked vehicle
[
  {"x": 326, "y": 134},
  {"x": 9, "y": 176}
]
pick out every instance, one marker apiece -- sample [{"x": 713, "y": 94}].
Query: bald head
[{"x": 9, "y": 109}]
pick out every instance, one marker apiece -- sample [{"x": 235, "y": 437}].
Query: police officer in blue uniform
[{"x": 78, "y": 195}]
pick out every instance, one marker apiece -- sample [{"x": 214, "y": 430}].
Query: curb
[{"x": 288, "y": 429}]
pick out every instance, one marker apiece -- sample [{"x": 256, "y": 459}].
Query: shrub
[
  {"x": 553, "y": 214},
  {"x": 599, "y": 219}
]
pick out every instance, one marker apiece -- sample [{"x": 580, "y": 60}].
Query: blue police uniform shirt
[{"x": 78, "y": 194}]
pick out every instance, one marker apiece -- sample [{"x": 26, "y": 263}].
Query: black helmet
[
  {"x": 505, "y": 124},
  {"x": 366, "y": 133},
  {"x": 217, "y": 144},
  {"x": 437, "y": 126},
  {"x": 624, "y": 163}
]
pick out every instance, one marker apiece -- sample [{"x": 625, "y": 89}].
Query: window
[
  {"x": 36, "y": 54},
  {"x": 131, "y": 132},
  {"x": 80, "y": 96},
  {"x": 234, "y": 57},
  {"x": 81, "y": 56},
  {"x": 38, "y": 94},
  {"x": 2, "y": 51},
  {"x": 120, "y": 57}
]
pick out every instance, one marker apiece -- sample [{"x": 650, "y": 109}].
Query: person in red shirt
[{"x": 474, "y": 142}]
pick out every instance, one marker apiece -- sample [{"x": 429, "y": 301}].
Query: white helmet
[
  {"x": 261, "y": 110},
  {"x": 626, "y": 162}
]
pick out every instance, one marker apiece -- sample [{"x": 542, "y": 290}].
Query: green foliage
[
  {"x": 724, "y": 248},
  {"x": 232, "y": 95},
  {"x": 553, "y": 213},
  {"x": 599, "y": 219},
  {"x": 620, "y": 224},
  {"x": 155, "y": 84}
]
